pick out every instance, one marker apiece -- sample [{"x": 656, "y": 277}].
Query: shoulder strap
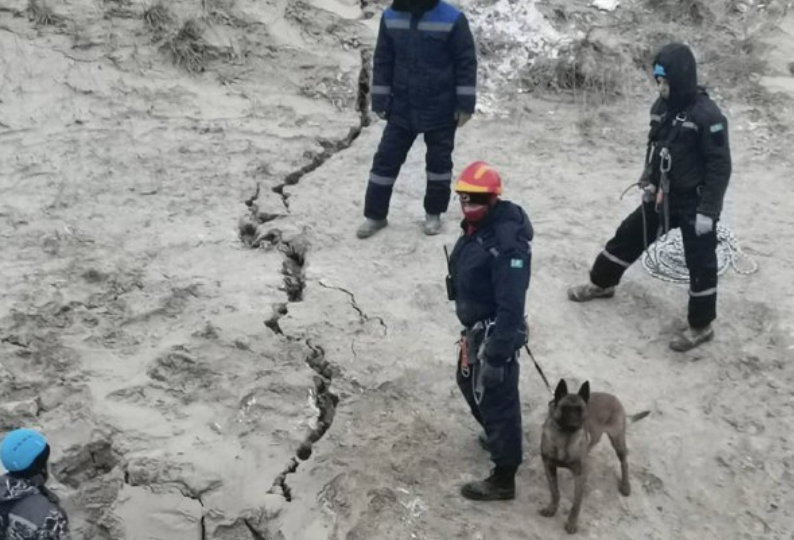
[{"x": 492, "y": 249}]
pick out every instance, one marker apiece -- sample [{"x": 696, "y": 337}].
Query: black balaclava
[
  {"x": 414, "y": 6},
  {"x": 681, "y": 73}
]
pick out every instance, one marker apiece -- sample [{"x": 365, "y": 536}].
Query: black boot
[{"x": 499, "y": 486}]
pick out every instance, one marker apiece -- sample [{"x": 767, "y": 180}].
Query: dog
[{"x": 574, "y": 425}]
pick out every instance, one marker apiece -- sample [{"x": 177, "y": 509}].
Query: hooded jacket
[
  {"x": 424, "y": 65},
  {"x": 695, "y": 131},
  {"x": 491, "y": 269},
  {"x": 29, "y": 511}
]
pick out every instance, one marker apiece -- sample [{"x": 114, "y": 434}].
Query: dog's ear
[
  {"x": 584, "y": 391},
  {"x": 561, "y": 391}
]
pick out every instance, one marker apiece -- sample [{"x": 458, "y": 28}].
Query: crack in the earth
[
  {"x": 362, "y": 316},
  {"x": 280, "y": 482},
  {"x": 188, "y": 494},
  {"x": 333, "y": 147},
  {"x": 184, "y": 490},
  {"x": 279, "y": 310},
  {"x": 294, "y": 252},
  {"x": 256, "y": 534},
  {"x": 326, "y": 402},
  {"x": 292, "y": 267}
]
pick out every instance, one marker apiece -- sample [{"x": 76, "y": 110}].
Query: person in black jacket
[
  {"x": 490, "y": 268},
  {"x": 424, "y": 81},
  {"x": 688, "y": 167},
  {"x": 28, "y": 510}
]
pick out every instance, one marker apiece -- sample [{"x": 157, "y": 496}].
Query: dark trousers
[
  {"x": 498, "y": 412},
  {"x": 700, "y": 252},
  {"x": 394, "y": 146}
]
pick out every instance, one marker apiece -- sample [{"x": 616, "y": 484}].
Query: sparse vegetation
[
  {"x": 42, "y": 15},
  {"x": 119, "y": 9},
  {"x": 587, "y": 67},
  {"x": 613, "y": 62},
  {"x": 187, "y": 49},
  {"x": 730, "y": 53},
  {"x": 695, "y": 11},
  {"x": 158, "y": 19}
]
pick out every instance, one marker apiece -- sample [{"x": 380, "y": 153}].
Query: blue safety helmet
[
  {"x": 658, "y": 71},
  {"x": 20, "y": 448}
]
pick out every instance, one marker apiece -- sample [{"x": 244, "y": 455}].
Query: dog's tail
[{"x": 639, "y": 416}]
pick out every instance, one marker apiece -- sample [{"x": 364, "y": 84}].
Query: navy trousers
[{"x": 394, "y": 146}]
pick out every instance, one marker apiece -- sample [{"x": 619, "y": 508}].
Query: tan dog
[{"x": 574, "y": 425}]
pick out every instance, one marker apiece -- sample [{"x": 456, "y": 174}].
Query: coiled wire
[{"x": 664, "y": 259}]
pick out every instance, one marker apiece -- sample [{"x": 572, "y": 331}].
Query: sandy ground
[{"x": 177, "y": 369}]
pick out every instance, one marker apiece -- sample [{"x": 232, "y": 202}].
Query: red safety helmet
[{"x": 479, "y": 177}]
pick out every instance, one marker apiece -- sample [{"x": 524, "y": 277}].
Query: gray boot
[
  {"x": 691, "y": 338},
  {"x": 588, "y": 291},
  {"x": 432, "y": 224},
  {"x": 370, "y": 227}
]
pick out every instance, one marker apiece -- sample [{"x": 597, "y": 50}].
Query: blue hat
[
  {"x": 20, "y": 448},
  {"x": 658, "y": 71}
]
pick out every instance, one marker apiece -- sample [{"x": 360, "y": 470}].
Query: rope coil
[{"x": 664, "y": 259}]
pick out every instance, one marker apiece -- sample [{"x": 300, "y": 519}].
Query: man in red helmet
[{"x": 489, "y": 269}]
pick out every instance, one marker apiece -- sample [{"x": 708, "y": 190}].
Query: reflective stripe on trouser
[
  {"x": 498, "y": 412},
  {"x": 628, "y": 244},
  {"x": 394, "y": 146},
  {"x": 438, "y": 163},
  {"x": 700, "y": 253},
  {"x": 625, "y": 247}
]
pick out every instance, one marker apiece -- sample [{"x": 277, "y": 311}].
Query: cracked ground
[{"x": 189, "y": 317}]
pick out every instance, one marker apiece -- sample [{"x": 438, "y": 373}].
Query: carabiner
[{"x": 666, "y": 160}]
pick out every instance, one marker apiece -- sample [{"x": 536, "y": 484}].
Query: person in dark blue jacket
[
  {"x": 490, "y": 268},
  {"x": 424, "y": 81}
]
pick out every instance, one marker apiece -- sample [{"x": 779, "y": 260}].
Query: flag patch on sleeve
[
  {"x": 716, "y": 128},
  {"x": 516, "y": 263}
]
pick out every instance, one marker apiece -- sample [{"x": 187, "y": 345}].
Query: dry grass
[
  {"x": 158, "y": 19},
  {"x": 187, "y": 49},
  {"x": 696, "y": 11},
  {"x": 42, "y": 15},
  {"x": 610, "y": 63},
  {"x": 585, "y": 69},
  {"x": 726, "y": 36}
]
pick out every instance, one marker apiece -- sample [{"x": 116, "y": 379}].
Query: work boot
[
  {"x": 432, "y": 224},
  {"x": 370, "y": 227},
  {"x": 588, "y": 291},
  {"x": 482, "y": 438},
  {"x": 499, "y": 486},
  {"x": 691, "y": 338}
]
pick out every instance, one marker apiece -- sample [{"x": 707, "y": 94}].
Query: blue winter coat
[
  {"x": 491, "y": 270},
  {"x": 424, "y": 67}
]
